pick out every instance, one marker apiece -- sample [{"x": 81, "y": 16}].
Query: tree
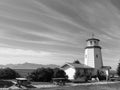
[
  {"x": 41, "y": 74},
  {"x": 58, "y": 73},
  {"x": 8, "y": 73},
  {"x": 46, "y": 74},
  {"x": 118, "y": 69},
  {"x": 76, "y": 62}
]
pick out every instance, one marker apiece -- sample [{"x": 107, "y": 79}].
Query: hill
[{"x": 28, "y": 66}]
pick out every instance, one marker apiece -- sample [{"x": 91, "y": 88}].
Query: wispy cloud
[
  {"x": 19, "y": 52},
  {"x": 57, "y": 27}
]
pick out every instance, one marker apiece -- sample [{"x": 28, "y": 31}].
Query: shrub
[
  {"x": 83, "y": 74},
  {"x": 78, "y": 74},
  {"x": 101, "y": 75}
]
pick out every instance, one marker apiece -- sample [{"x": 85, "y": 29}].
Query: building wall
[
  {"x": 98, "y": 58},
  {"x": 93, "y": 43},
  {"x": 70, "y": 72},
  {"x": 89, "y": 57},
  {"x": 93, "y": 57}
]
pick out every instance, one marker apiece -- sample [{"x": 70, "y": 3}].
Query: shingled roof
[{"x": 76, "y": 65}]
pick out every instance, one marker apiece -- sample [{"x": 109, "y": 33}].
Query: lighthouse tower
[{"x": 93, "y": 56}]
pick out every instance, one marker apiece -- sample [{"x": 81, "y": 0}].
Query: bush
[
  {"x": 78, "y": 74},
  {"x": 101, "y": 75},
  {"x": 83, "y": 74},
  {"x": 46, "y": 74},
  {"x": 8, "y": 73}
]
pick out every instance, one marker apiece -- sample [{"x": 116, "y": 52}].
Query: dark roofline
[
  {"x": 93, "y": 47},
  {"x": 92, "y": 39},
  {"x": 85, "y": 66}
]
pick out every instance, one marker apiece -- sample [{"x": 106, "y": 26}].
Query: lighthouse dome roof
[{"x": 92, "y": 39}]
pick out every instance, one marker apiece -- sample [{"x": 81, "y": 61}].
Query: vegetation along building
[
  {"x": 92, "y": 60},
  {"x": 71, "y": 68}
]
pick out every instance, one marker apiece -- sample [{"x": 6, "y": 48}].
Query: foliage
[
  {"x": 76, "y": 62},
  {"x": 5, "y": 84},
  {"x": 8, "y": 73},
  {"x": 83, "y": 73},
  {"x": 24, "y": 72},
  {"x": 58, "y": 73},
  {"x": 41, "y": 74},
  {"x": 46, "y": 74},
  {"x": 118, "y": 69},
  {"x": 101, "y": 75},
  {"x": 78, "y": 74}
]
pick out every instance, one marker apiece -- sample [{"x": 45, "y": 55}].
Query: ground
[
  {"x": 104, "y": 85},
  {"x": 79, "y": 86},
  {"x": 110, "y": 86}
]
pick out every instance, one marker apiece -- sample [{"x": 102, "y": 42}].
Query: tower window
[
  {"x": 95, "y": 42},
  {"x": 91, "y": 42},
  {"x": 96, "y": 56}
]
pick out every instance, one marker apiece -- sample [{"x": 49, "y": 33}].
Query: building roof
[
  {"x": 21, "y": 79},
  {"x": 93, "y": 47},
  {"x": 92, "y": 39},
  {"x": 106, "y": 67},
  {"x": 76, "y": 65}
]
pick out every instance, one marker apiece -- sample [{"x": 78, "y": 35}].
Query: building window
[
  {"x": 95, "y": 42},
  {"x": 91, "y": 42},
  {"x": 96, "y": 56}
]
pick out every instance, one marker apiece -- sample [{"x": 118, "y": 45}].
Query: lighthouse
[{"x": 93, "y": 56}]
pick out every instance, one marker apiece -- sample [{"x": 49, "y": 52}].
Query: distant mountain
[{"x": 28, "y": 66}]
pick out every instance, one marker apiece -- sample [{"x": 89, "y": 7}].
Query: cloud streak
[{"x": 58, "y": 26}]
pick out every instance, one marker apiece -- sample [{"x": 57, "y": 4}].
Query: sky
[{"x": 55, "y": 31}]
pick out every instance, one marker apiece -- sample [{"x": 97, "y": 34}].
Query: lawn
[{"x": 115, "y": 86}]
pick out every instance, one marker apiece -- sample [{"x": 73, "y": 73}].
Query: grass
[
  {"x": 115, "y": 86},
  {"x": 42, "y": 83}
]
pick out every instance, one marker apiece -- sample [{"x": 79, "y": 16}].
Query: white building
[
  {"x": 70, "y": 69},
  {"x": 92, "y": 60},
  {"x": 93, "y": 56}
]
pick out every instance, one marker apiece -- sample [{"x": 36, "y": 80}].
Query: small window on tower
[
  {"x": 96, "y": 56},
  {"x": 95, "y": 42},
  {"x": 91, "y": 42}
]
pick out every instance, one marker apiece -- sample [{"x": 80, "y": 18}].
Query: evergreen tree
[{"x": 76, "y": 62}]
